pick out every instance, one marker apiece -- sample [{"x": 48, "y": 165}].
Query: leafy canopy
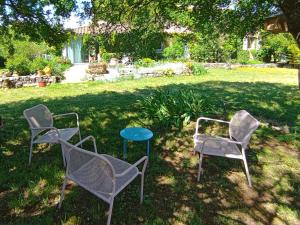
[{"x": 39, "y": 19}]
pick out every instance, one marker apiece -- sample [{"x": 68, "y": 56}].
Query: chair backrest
[
  {"x": 38, "y": 116},
  {"x": 89, "y": 169},
  {"x": 241, "y": 127}
]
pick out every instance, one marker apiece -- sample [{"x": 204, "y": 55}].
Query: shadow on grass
[{"x": 28, "y": 194}]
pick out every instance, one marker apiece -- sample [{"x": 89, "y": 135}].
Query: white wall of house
[{"x": 252, "y": 42}]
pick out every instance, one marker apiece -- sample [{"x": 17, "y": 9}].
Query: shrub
[
  {"x": 168, "y": 73},
  {"x": 175, "y": 108},
  {"x": 105, "y": 56},
  {"x": 174, "y": 51},
  {"x": 59, "y": 65},
  {"x": 145, "y": 62},
  {"x": 265, "y": 55},
  {"x": 253, "y": 53},
  {"x": 294, "y": 54},
  {"x": 275, "y": 46},
  {"x": 198, "y": 69},
  {"x": 214, "y": 48},
  {"x": 19, "y": 63},
  {"x": 22, "y": 54},
  {"x": 243, "y": 56},
  {"x": 39, "y": 63}
]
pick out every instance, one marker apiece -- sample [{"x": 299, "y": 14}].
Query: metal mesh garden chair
[
  {"x": 241, "y": 127},
  {"x": 100, "y": 174},
  {"x": 40, "y": 121}
]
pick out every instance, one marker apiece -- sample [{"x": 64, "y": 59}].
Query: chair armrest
[
  {"x": 44, "y": 128},
  {"x": 68, "y": 114},
  {"x": 87, "y": 138},
  {"x": 41, "y": 129},
  {"x": 207, "y": 119},
  {"x": 144, "y": 159}
]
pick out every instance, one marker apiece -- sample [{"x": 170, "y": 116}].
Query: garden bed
[{"x": 20, "y": 81}]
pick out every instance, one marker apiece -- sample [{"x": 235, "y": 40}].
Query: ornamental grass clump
[{"x": 175, "y": 108}]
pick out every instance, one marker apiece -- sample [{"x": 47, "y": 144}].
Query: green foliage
[
  {"x": 214, "y": 48},
  {"x": 21, "y": 54},
  {"x": 40, "y": 20},
  {"x": 275, "y": 46},
  {"x": 254, "y": 53},
  {"x": 197, "y": 68},
  {"x": 136, "y": 43},
  {"x": 230, "y": 46},
  {"x": 293, "y": 54},
  {"x": 58, "y": 65},
  {"x": 25, "y": 57},
  {"x": 243, "y": 56},
  {"x": 39, "y": 63},
  {"x": 106, "y": 57},
  {"x": 168, "y": 73},
  {"x": 19, "y": 63},
  {"x": 264, "y": 54},
  {"x": 174, "y": 107},
  {"x": 145, "y": 62},
  {"x": 202, "y": 53},
  {"x": 175, "y": 50}
]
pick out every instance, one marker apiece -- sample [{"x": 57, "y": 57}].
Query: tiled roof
[
  {"x": 101, "y": 28},
  {"x": 104, "y": 27}
]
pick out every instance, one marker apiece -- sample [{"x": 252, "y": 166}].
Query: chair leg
[
  {"x": 110, "y": 211},
  {"x": 79, "y": 134},
  {"x": 247, "y": 171},
  {"x": 142, "y": 189},
  {"x": 31, "y": 147},
  {"x": 63, "y": 156},
  {"x": 200, "y": 166},
  {"x": 62, "y": 195}
]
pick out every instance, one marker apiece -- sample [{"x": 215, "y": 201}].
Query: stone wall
[
  {"x": 233, "y": 66},
  {"x": 20, "y": 81}
]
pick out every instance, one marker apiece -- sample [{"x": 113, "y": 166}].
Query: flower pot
[{"x": 42, "y": 84}]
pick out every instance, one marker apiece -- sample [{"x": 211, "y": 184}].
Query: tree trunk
[
  {"x": 299, "y": 77},
  {"x": 291, "y": 10}
]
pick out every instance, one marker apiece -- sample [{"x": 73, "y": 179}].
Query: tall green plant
[
  {"x": 175, "y": 50},
  {"x": 175, "y": 108}
]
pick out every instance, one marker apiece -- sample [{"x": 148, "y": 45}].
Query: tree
[
  {"x": 291, "y": 10},
  {"x": 234, "y": 16},
  {"x": 39, "y": 19},
  {"x": 224, "y": 16}
]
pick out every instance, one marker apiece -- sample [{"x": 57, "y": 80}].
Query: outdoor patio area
[{"x": 29, "y": 194}]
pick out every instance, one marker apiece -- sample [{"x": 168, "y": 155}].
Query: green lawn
[{"x": 29, "y": 194}]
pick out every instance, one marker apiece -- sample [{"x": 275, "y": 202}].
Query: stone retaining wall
[{"x": 20, "y": 81}]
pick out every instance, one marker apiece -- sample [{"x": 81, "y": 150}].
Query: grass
[{"x": 29, "y": 194}]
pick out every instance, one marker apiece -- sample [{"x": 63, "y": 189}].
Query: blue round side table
[{"x": 135, "y": 134}]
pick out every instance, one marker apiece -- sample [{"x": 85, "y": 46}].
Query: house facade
[
  {"x": 274, "y": 24},
  {"x": 76, "y": 53}
]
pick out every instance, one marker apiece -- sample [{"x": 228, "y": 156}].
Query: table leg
[
  {"x": 148, "y": 147},
  {"x": 125, "y": 149}
]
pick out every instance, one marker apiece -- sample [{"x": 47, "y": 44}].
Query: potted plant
[{"x": 42, "y": 83}]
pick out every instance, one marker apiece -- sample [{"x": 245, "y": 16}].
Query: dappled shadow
[{"x": 29, "y": 194}]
